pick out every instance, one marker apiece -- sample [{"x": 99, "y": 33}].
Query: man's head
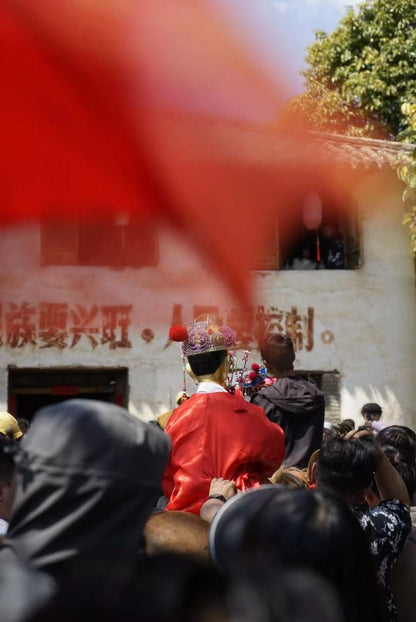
[
  {"x": 346, "y": 467},
  {"x": 371, "y": 411},
  {"x": 277, "y": 352}
]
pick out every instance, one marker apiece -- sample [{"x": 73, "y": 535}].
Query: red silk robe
[{"x": 218, "y": 435}]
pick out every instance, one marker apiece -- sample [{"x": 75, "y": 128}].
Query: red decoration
[
  {"x": 312, "y": 211},
  {"x": 178, "y": 333},
  {"x": 318, "y": 249},
  {"x": 255, "y": 367},
  {"x": 252, "y": 375}
]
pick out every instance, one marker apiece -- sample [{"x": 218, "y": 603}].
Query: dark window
[
  {"x": 331, "y": 241},
  {"x": 104, "y": 243}
]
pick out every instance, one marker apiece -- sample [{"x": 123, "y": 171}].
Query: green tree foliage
[
  {"x": 359, "y": 76},
  {"x": 407, "y": 173},
  {"x": 361, "y": 81}
]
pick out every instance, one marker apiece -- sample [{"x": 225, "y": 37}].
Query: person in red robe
[{"x": 215, "y": 433}]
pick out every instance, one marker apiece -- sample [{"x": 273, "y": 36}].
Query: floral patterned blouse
[{"x": 387, "y": 526}]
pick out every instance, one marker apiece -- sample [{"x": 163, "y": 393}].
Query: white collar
[{"x": 210, "y": 387}]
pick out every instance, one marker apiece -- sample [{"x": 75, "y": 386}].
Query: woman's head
[
  {"x": 290, "y": 477},
  {"x": 399, "y": 444},
  {"x": 301, "y": 529}
]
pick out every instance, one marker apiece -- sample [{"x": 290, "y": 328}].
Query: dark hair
[
  {"x": 398, "y": 436},
  {"x": 277, "y": 594},
  {"x": 333, "y": 432},
  {"x": 278, "y": 351},
  {"x": 190, "y": 592},
  {"x": 23, "y": 422},
  {"x": 406, "y": 469},
  {"x": 305, "y": 529},
  {"x": 345, "y": 466},
  {"x": 371, "y": 408},
  {"x": 206, "y": 363},
  {"x": 343, "y": 427},
  {"x": 399, "y": 444},
  {"x": 7, "y": 467},
  {"x": 164, "y": 588}
]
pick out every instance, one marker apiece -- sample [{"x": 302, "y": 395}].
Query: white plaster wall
[
  {"x": 371, "y": 311},
  {"x": 155, "y": 368}
]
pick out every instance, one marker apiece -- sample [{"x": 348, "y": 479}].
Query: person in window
[
  {"x": 332, "y": 249},
  {"x": 304, "y": 262}
]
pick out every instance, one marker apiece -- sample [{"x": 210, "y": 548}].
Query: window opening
[
  {"x": 317, "y": 233},
  {"x": 107, "y": 243}
]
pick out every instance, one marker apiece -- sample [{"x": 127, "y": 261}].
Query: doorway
[{"x": 34, "y": 388}]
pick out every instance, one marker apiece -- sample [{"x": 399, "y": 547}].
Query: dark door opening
[{"x": 31, "y": 389}]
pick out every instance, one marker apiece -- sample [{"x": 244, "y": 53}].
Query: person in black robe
[{"x": 296, "y": 404}]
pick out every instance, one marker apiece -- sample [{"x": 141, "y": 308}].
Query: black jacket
[{"x": 298, "y": 406}]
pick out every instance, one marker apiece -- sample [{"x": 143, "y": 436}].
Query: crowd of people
[{"x": 223, "y": 509}]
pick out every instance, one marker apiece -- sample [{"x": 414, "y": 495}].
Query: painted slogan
[
  {"x": 62, "y": 325},
  {"x": 59, "y": 325}
]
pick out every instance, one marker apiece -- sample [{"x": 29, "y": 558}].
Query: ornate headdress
[{"x": 202, "y": 336}]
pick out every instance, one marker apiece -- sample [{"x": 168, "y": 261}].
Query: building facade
[{"x": 88, "y": 314}]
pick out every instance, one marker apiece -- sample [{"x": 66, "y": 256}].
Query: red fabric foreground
[{"x": 126, "y": 106}]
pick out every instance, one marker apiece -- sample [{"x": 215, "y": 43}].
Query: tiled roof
[
  {"x": 362, "y": 152},
  {"x": 266, "y": 146}
]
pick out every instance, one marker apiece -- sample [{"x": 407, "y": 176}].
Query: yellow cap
[
  {"x": 9, "y": 426},
  {"x": 180, "y": 396}
]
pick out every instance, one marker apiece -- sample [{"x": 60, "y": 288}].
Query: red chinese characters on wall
[
  {"x": 20, "y": 328},
  {"x": 59, "y": 325},
  {"x": 252, "y": 326},
  {"x": 116, "y": 321},
  {"x": 297, "y": 326},
  {"x": 53, "y": 325},
  {"x": 84, "y": 323}
]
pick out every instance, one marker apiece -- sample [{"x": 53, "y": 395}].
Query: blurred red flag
[{"x": 145, "y": 108}]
